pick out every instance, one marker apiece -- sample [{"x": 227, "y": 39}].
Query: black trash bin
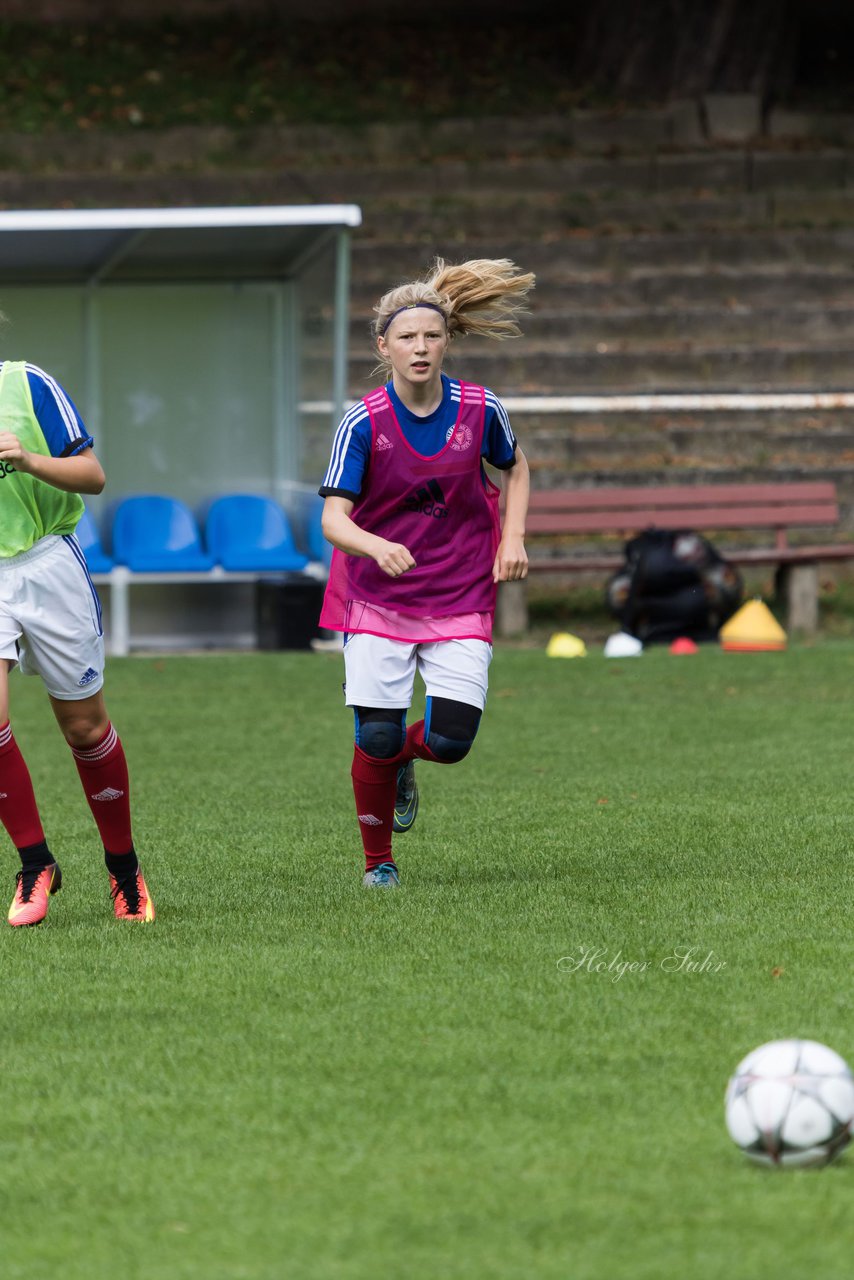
[{"x": 287, "y": 609}]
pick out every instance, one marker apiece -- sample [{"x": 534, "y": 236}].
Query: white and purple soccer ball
[{"x": 790, "y": 1104}]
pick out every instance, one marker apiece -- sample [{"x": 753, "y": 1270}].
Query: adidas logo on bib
[{"x": 428, "y": 501}]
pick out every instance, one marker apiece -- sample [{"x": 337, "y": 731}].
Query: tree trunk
[{"x": 682, "y": 48}]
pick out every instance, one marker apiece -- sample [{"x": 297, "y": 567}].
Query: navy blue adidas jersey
[
  {"x": 351, "y": 448},
  {"x": 57, "y": 416}
]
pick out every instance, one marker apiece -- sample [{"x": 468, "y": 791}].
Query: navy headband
[{"x": 410, "y": 306}]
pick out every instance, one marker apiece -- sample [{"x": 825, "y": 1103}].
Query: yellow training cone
[
  {"x": 564, "y": 645},
  {"x": 753, "y": 629}
]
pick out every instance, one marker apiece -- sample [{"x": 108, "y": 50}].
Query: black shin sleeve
[
  {"x": 380, "y": 731},
  {"x": 451, "y": 728}
]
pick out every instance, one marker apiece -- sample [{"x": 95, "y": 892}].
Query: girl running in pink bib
[{"x": 419, "y": 546}]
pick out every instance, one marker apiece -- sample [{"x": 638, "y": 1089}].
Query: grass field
[{"x": 287, "y": 1076}]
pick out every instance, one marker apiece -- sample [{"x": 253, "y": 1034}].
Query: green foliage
[
  {"x": 289, "y": 1076},
  {"x": 224, "y": 71}
]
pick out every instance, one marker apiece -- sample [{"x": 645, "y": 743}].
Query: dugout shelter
[{"x": 206, "y": 349}]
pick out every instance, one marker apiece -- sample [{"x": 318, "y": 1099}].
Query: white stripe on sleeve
[
  {"x": 63, "y": 404},
  {"x": 341, "y": 443}
]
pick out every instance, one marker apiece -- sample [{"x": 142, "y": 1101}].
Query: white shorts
[
  {"x": 50, "y": 618},
  {"x": 381, "y": 672}
]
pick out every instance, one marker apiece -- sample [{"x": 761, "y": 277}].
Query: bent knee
[
  {"x": 451, "y": 729},
  {"x": 448, "y": 750},
  {"x": 83, "y": 733},
  {"x": 380, "y": 733}
]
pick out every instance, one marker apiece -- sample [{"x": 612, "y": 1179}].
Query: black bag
[{"x": 674, "y": 583}]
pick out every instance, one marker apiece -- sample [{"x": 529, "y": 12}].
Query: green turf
[{"x": 287, "y": 1076}]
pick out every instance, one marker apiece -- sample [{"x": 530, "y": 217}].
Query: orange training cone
[{"x": 753, "y": 629}]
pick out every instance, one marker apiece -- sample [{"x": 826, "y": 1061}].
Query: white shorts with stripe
[
  {"x": 381, "y": 672},
  {"x": 50, "y": 618}
]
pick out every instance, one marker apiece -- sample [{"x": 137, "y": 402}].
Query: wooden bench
[{"x": 562, "y": 515}]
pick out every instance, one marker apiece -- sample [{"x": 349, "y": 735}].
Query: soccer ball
[{"x": 790, "y": 1104}]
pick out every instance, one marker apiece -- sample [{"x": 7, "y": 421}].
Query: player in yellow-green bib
[{"x": 50, "y": 624}]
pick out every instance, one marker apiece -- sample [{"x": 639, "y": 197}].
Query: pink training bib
[{"x": 443, "y": 509}]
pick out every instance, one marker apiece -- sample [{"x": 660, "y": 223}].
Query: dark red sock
[
  {"x": 375, "y": 787},
  {"x": 18, "y": 809},
  {"x": 104, "y": 773},
  {"x": 415, "y": 746}
]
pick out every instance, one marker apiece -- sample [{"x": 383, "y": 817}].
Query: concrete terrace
[{"x": 694, "y": 249}]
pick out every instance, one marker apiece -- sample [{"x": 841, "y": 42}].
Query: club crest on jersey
[
  {"x": 429, "y": 500},
  {"x": 462, "y": 438}
]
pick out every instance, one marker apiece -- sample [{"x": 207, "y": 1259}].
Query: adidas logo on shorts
[{"x": 87, "y": 677}]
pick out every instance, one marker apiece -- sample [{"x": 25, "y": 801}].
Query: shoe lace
[
  {"x": 385, "y": 870},
  {"x": 26, "y": 880},
  {"x": 128, "y": 888}
]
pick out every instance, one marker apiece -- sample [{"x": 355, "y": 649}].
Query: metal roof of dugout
[
  {"x": 93, "y": 247},
  {"x": 206, "y": 349}
]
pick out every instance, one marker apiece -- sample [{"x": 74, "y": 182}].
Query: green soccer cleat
[{"x": 406, "y": 800}]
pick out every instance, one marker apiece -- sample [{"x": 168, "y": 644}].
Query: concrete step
[
  {"x": 381, "y": 143},
  {"x": 465, "y": 215},
  {"x": 330, "y": 147},
  {"x": 560, "y": 288},
  {"x": 229, "y": 166},
  {"x": 180, "y": 190},
  {"x": 510, "y": 370},
  {"x": 575, "y": 448},
  {"x": 573, "y": 255},
  {"x": 659, "y": 134},
  {"x": 624, "y": 328},
  {"x": 705, "y": 174},
  {"x": 533, "y": 170}
]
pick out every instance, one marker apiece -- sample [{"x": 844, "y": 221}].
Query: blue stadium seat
[
  {"x": 87, "y": 535},
  {"x": 157, "y": 534},
  {"x": 245, "y": 532}
]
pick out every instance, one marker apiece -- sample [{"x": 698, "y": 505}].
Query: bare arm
[
  {"x": 392, "y": 557},
  {"x": 511, "y": 560},
  {"x": 81, "y": 473}
]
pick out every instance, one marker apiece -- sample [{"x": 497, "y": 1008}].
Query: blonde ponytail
[{"x": 483, "y": 296}]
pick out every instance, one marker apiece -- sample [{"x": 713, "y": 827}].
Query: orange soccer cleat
[
  {"x": 131, "y": 899},
  {"x": 34, "y": 887}
]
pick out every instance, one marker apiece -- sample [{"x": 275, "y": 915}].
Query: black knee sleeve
[
  {"x": 450, "y": 728},
  {"x": 380, "y": 732}
]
